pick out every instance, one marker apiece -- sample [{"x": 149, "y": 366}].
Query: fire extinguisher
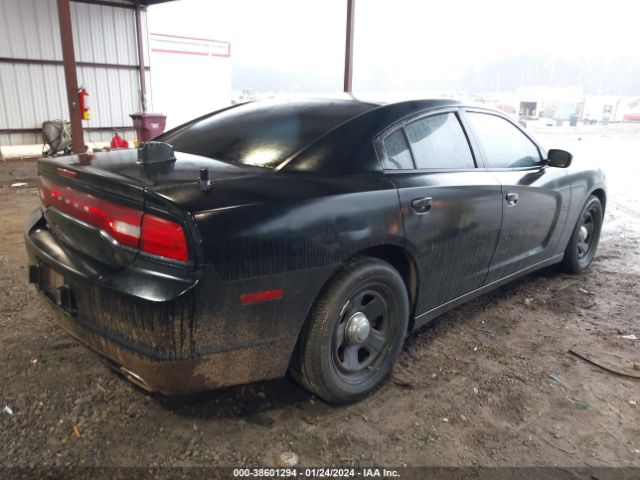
[{"x": 84, "y": 104}]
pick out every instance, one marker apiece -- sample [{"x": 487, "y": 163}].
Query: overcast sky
[{"x": 413, "y": 38}]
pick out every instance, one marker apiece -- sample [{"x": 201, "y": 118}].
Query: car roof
[
  {"x": 349, "y": 147},
  {"x": 272, "y": 132},
  {"x": 377, "y": 98},
  {"x": 263, "y": 133}
]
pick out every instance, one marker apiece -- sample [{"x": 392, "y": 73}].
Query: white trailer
[{"x": 190, "y": 76}]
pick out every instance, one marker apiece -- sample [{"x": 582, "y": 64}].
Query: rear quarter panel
[
  {"x": 583, "y": 181},
  {"x": 298, "y": 221},
  {"x": 292, "y": 231}
]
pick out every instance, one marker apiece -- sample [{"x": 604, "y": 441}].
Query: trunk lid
[
  {"x": 119, "y": 178},
  {"x": 119, "y": 172}
]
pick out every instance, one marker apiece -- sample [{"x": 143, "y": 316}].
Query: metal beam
[
  {"x": 143, "y": 83},
  {"x": 107, "y": 3},
  {"x": 104, "y": 3},
  {"x": 11, "y": 131},
  {"x": 37, "y": 61},
  {"x": 70, "y": 76},
  {"x": 348, "y": 55}
]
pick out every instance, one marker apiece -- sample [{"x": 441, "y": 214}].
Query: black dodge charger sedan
[{"x": 302, "y": 236}]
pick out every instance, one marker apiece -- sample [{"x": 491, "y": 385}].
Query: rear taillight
[
  {"x": 65, "y": 172},
  {"x": 128, "y": 226},
  {"x": 163, "y": 237},
  {"x": 119, "y": 222}
]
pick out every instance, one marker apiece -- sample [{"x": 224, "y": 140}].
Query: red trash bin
[{"x": 148, "y": 125}]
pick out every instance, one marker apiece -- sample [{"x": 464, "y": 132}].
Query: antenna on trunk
[{"x": 205, "y": 180}]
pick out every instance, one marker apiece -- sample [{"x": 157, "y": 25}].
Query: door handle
[
  {"x": 421, "y": 205},
  {"x": 512, "y": 198}
]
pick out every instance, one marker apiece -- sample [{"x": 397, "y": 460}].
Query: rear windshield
[{"x": 264, "y": 133}]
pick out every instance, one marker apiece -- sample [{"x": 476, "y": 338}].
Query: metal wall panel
[
  {"x": 7, "y": 139},
  {"x": 90, "y": 138},
  {"x": 31, "y": 94},
  {"x": 29, "y": 29},
  {"x": 104, "y": 34}
]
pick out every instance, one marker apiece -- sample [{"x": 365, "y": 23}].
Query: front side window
[
  {"x": 438, "y": 142},
  {"x": 504, "y": 145}
]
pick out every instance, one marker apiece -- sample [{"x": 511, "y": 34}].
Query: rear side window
[
  {"x": 438, "y": 141},
  {"x": 397, "y": 153},
  {"x": 504, "y": 145}
]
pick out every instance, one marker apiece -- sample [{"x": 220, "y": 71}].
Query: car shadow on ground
[
  {"x": 463, "y": 315},
  {"x": 249, "y": 401}
]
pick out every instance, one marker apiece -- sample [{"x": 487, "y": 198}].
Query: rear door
[
  {"x": 535, "y": 197},
  {"x": 451, "y": 210}
]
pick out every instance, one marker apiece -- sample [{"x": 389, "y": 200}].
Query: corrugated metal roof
[
  {"x": 31, "y": 94},
  {"x": 151, "y": 2}
]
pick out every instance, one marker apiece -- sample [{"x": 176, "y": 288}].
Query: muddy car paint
[{"x": 181, "y": 327}]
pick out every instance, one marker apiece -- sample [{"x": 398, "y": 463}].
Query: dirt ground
[{"x": 475, "y": 388}]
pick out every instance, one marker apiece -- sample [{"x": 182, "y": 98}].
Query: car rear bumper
[
  {"x": 163, "y": 331},
  {"x": 172, "y": 377}
]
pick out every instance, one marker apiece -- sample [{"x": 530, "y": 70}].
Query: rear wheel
[
  {"x": 584, "y": 240},
  {"x": 355, "y": 333}
]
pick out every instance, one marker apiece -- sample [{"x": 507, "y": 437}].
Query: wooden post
[
  {"x": 141, "y": 67},
  {"x": 70, "y": 76},
  {"x": 348, "y": 55}
]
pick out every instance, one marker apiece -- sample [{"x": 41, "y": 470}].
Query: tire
[
  {"x": 338, "y": 358},
  {"x": 584, "y": 239}
]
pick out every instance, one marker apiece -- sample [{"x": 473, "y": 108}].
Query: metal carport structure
[
  {"x": 69, "y": 61},
  {"x": 38, "y": 67}
]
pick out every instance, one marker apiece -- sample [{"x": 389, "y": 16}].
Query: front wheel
[
  {"x": 584, "y": 240},
  {"x": 355, "y": 333}
]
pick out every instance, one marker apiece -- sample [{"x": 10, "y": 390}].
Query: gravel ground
[{"x": 474, "y": 388}]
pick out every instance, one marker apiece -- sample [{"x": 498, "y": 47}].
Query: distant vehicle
[
  {"x": 590, "y": 120},
  {"x": 307, "y": 236},
  {"x": 632, "y": 117},
  {"x": 548, "y": 121},
  {"x": 506, "y": 108},
  {"x": 247, "y": 95},
  {"x": 510, "y": 110}
]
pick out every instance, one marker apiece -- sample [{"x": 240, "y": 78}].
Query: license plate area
[
  {"x": 49, "y": 280},
  {"x": 53, "y": 285}
]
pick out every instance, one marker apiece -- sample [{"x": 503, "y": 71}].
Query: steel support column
[
  {"x": 70, "y": 75},
  {"x": 141, "y": 68},
  {"x": 348, "y": 55}
]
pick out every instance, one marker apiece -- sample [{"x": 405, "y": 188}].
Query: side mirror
[{"x": 559, "y": 158}]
